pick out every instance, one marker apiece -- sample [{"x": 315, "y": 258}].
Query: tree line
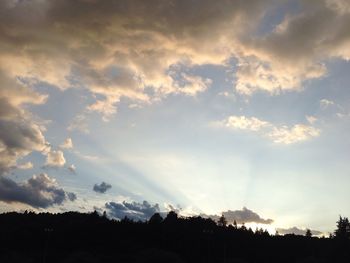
[{"x": 93, "y": 237}]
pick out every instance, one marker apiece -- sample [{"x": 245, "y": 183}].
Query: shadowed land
[{"x": 79, "y": 237}]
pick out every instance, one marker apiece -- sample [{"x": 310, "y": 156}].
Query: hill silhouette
[{"x": 81, "y": 237}]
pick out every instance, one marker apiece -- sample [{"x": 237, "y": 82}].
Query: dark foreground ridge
[{"x": 78, "y": 237}]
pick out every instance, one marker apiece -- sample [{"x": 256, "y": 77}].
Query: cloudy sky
[{"x": 132, "y": 106}]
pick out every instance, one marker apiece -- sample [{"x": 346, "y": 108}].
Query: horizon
[{"x": 234, "y": 108}]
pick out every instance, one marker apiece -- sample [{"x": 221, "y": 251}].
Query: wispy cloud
[
  {"x": 25, "y": 166},
  {"x": 72, "y": 169},
  {"x": 279, "y": 134},
  {"x": 325, "y": 103}
]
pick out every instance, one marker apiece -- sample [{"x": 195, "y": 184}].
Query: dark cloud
[
  {"x": 102, "y": 187},
  {"x": 40, "y": 191},
  {"x": 136, "y": 211},
  {"x": 241, "y": 216},
  {"x": 245, "y": 216},
  {"x": 19, "y": 135},
  {"x": 72, "y": 196},
  {"x": 18, "y": 138},
  {"x": 297, "y": 231}
]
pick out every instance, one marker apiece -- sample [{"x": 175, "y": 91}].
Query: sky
[{"x": 132, "y": 107}]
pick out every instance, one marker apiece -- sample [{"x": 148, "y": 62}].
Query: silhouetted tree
[
  {"x": 126, "y": 220},
  {"x": 308, "y": 233},
  {"x": 155, "y": 219},
  {"x": 235, "y": 224},
  {"x": 222, "y": 221},
  {"x": 171, "y": 218},
  {"x": 343, "y": 229}
]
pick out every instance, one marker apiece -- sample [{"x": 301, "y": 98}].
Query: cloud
[
  {"x": 18, "y": 138},
  {"x": 245, "y": 123},
  {"x": 71, "y": 168},
  {"x": 297, "y": 231},
  {"x": 102, "y": 187},
  {"x": 19, "y": 134},
  {"x": 79, "y": 123},
  {"x": 72, "y": 196},
  {"x": 296, "y": 133},
  {"x": 169, "y": 207},
  {"x": 25, "y": 166},
  {"x": 324, "y": 103},
  {"x": 279, "y": 134},
  {"x": 40, "y": 191},
  {"x": 117, "y": 50},
  {"x": 311, "y": 119},
  {"x": 192, "y": 85},
  {"x": 55, "y": 159},
  {"x": 296, "y": 50},
  {"x": 245, "y": 216},
  {"x": 120, "y": 49},
  {"x": 67, "y": 144},
  {"x": 136, "y": 211},
  {"x": 241, "y": 216}
]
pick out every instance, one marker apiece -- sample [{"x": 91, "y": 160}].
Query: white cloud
[
  {"x": 279, "y": 134},
  {"x": 55, "y": 159},
  {"x": 245, "y": 123},
  {"x": 296, "y": 133},
  {"x": 67, "y": 144}
]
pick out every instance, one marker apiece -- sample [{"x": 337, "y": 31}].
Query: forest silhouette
[{"x": 92, "y": 237}]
